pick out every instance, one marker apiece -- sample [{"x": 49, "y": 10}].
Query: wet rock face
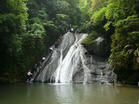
[
  {"x": 71, "y": 63},
  {"x": 100, "y": 71},
  {"x": 50, "y": 67},
  {"x": 99, "y": 47}
]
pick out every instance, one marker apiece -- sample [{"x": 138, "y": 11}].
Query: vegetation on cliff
[
  {"x": 28, "y": 28},
  {"x": 118, "y": 22}
]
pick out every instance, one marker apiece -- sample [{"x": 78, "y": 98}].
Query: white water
[
  {"x": 67, "y": 65},
  {"x": 70, "y": 63},
  {"x": 86, "y": 69}
]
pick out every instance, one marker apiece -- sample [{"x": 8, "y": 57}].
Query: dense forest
[{"x": 29, "y": 27}]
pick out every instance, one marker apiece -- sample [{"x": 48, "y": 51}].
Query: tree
[{"x": 13, "y": 15}]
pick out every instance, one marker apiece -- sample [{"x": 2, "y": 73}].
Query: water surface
[{"x": 67, "y": 94}]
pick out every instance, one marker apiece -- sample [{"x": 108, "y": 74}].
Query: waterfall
[
  {"x": 86, "y": 69},
  {"x": 69, "y": 63}
]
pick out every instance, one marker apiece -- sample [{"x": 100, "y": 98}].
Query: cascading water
[{"x": 69, "y": 63}]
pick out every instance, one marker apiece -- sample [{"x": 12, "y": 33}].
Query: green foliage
[
  {"x": 89, "y": 41},
  {"x": 62, "y": 21},
  {"x": 84, "y": 6},
  {"x": 13, "y": 15},
  {"x": 26, "y": 35},
  {"x": 114, "y": 12},
  {"x": 89, "y": 38},
  {"x": 37, "y": 29},
  {"x": 125, "y": 43},
  {"x": 42, "y": 15},
  {"x": 107, "y": 25},
  {"x": 99, "y": 16},
  {"x": 97, "y": 4},
  {"x": 120, "y": 20},
  {"x": 86, "y": 26},
  {"x": 26, "y": 32},
  {"x": 62, "y": 6},
  {"x": 118, "y": 10},
  {"x": 62, "y": 17},
  {"x": 31, "y": 48}
]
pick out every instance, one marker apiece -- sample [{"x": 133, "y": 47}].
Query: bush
[
  {"x": 124, "y": 48},
  {"x": 99, "y": 16}
]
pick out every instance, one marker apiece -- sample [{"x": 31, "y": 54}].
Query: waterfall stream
[{"x": 69, "y": 63}]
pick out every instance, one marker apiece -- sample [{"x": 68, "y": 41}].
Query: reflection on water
[
  {"x": 67, "y": 94},
  {"x": 64, "y": 92}
]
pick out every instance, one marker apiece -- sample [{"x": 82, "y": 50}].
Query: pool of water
[{"x": 67, "y": 94}]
